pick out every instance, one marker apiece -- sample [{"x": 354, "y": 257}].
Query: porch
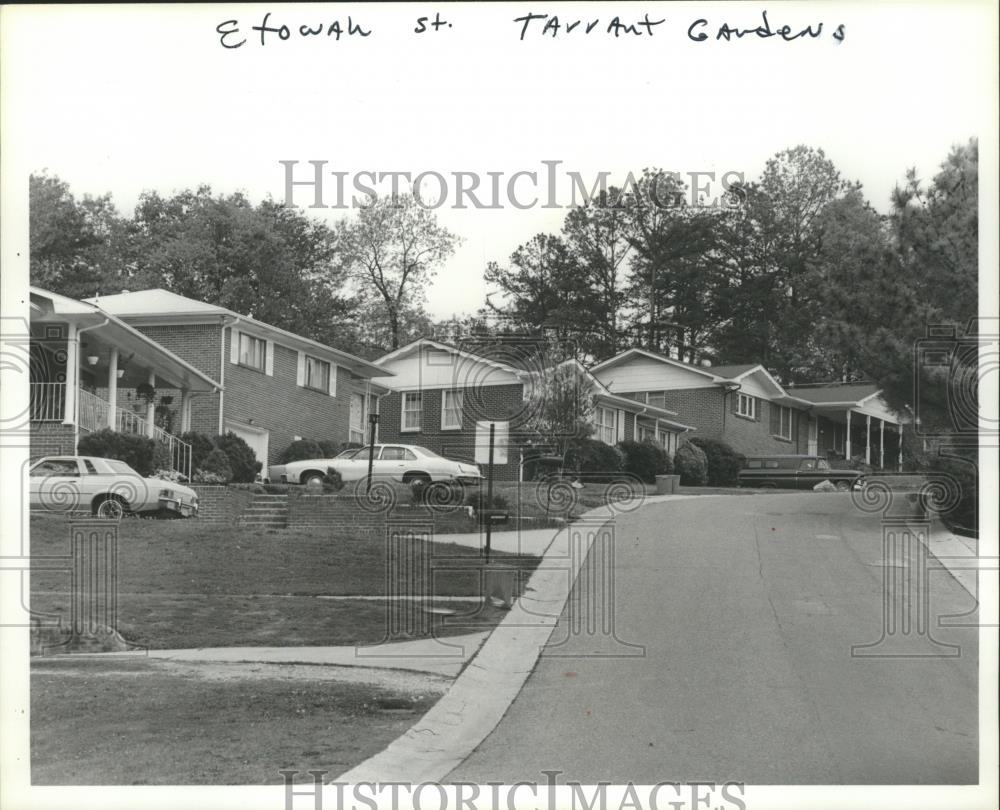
[{"x": 89, "y": 372}]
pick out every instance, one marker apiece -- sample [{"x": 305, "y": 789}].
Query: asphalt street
[{"x": 712, "y": 640}]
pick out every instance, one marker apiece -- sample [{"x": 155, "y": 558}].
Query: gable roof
[
  {"x": 169, "y": 307},
  {"x": 429, "y": 343},
  {"x": 835, "y": 393},
  {"x": 47, "y": 305}
]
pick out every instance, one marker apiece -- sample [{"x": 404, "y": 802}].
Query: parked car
[
  {"x": 105, "y": 486},
  {"x": 405, "y": 463},
  {"x": 794, "y": 472}
]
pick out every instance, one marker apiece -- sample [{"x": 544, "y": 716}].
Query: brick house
[
  {"x": 440, "y": 391},
  {"x": 274, "y": 386},
  {"x": 745, "y": 406},
  {"x": 79, "y": 358}
]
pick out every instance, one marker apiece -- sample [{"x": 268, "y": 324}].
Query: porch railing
[
  {"x": 45, "y": 401},
  {"x": 46, "y": 404}
]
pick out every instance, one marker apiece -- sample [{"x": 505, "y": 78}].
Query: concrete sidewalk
[{"x": 440, "y": 656}]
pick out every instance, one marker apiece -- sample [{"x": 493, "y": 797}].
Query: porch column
[
  {"x": 151, "y": 409},
  {"x": 113, "y": 389},
  {"x": 847, "y": 440},
  {"x": 868, "y": 438},
  {"x": 881, "y": 444},
  {"x": 185, "y": 410},
  {"x": 72, "y": 375}
]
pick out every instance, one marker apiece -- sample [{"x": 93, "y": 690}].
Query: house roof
[
  {"x": 167, "y": 307},
  {"x": 420, "y": 343},
  {"x": 729, "y": 372},
  {"x": 834, "y": 392},
  {"x": 49, "y": 306}
]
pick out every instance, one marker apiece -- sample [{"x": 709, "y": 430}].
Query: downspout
[
  {"x": 76, "y": 375},
  {"x": 222, "y": 365}
]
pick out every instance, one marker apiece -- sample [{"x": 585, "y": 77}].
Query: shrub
[
  {"x": 136, "y": 451},
  {"x": 214, "y": 469},
  {"x": 242, "y": 460},
  {"x": 332, "y": 481},
  {"x": 645, "y": 460},
  {"x": 593, "y": 456},
  {"x": 300, "y": 450},
  {"x": 723, "y": 461},
  {"x": 330, "y": 449},
  {"x": 201, "y": 446},
  {"x": 691, "y": 464},
  {"x": 162, "y": 460}
]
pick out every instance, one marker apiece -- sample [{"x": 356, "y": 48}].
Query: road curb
[{"x": 477, "y": 701}]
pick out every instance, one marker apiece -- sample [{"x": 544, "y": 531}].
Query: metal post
[
  {"x": 112, "y": 421},
  {"x": 881, "y": 444},
  {"x": 868, "y": 439},
  {"x": 847, "y": 442},
  {"x": 373, "y": 421},
  {"x": 489, "y": 493}
]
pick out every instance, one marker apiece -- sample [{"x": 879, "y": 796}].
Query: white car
[
  {"x": 405, "y": 463},
  {"x": 106, "y": 487}
]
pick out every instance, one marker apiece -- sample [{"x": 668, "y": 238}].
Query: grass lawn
[
  {"x": 185, "y": 584},
  {"x": 141, "y": 722}
]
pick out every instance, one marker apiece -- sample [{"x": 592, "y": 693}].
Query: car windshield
[
  {"x": 425, "y": 452},
  {"x": 351, "y": 452}
]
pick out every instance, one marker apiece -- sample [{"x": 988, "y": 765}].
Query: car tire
[
  {"x": 842, "y": 486},
  {"x": 112, "y": 507},
  {"x": 312, "y": 478},
  {"x": 412, "y": 478}
]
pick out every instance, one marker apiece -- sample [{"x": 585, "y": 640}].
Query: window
[
  {"x": 647, "y": 434},
  {"x": 605, "y": 424},
  {"x": 252, "y": 352},
  {"x": 397, "y": 454},
  {"x": 91, "y": 469},
  {"x": 808, "y": 464},
  {"x": 317, "y": 374},
  {"x": 451, "y": 409},
  {"x": 413, "y": 411},
  {"x": 746, "y": 405},
  {"x": 781, "y": 421},
  {"x": 58, "y": 466},
  {"x": 822, "y": 464}
]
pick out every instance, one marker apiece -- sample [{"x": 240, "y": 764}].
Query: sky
[{"x": 125, "y": 99}]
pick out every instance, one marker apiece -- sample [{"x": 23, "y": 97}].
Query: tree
[
  {"x": 68, "y": 239},
  {"x": 559, "y": 407},
  {"x": 393, "y": 249}
]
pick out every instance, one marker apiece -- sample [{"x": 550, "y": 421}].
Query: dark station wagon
[{"x": 793, "y": 472}]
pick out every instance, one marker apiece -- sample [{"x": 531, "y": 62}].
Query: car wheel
[
  {"x": 312, "y": 479},
  {"x": 413, "y": 478},
  {"x": 843, "y": 486},
  {"x": 111, "y": 507}
]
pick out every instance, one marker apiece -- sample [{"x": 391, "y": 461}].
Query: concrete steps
[{"x": 266, "y": 512}]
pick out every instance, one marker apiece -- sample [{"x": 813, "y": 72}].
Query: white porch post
[
  {"x": 185, "y": 410},
  {"x": 881, "y": 444},
  {"x": 868, "y": 438},
  {"x": 151, "y": 409},
  {"x": 72, "y": 375},
  {"x": 847, "y": 439},
  {"x": 113, "y": 389}
]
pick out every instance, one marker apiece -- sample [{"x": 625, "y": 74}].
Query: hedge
[
  {"x": 691, "y": 464},
  {"x": 723, "y": 462}
]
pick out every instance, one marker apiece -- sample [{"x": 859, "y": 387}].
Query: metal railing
[
  {"x": 46, "y": 401},
  {"x": 93, "y": 414}
]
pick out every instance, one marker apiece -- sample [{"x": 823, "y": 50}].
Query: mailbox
[{"x": 494, "y": 517}]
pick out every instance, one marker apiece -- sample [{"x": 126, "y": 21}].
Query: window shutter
[
  {"x": 234, "y": 346},
  {"x": 269, "y": 359},
  {"x": 332, "y": 388},
  {"x": 775, "y": 418},
  {"x": 300, "y": 369}
]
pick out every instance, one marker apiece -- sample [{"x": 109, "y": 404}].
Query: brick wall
[
  {"x": 51, "y": 439},
  {"x": 711, "y": 411},
  {"x": 275, "y": 403},
  {"x": 220, "y": 504},
  {"x": 497, "y": 402}
]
